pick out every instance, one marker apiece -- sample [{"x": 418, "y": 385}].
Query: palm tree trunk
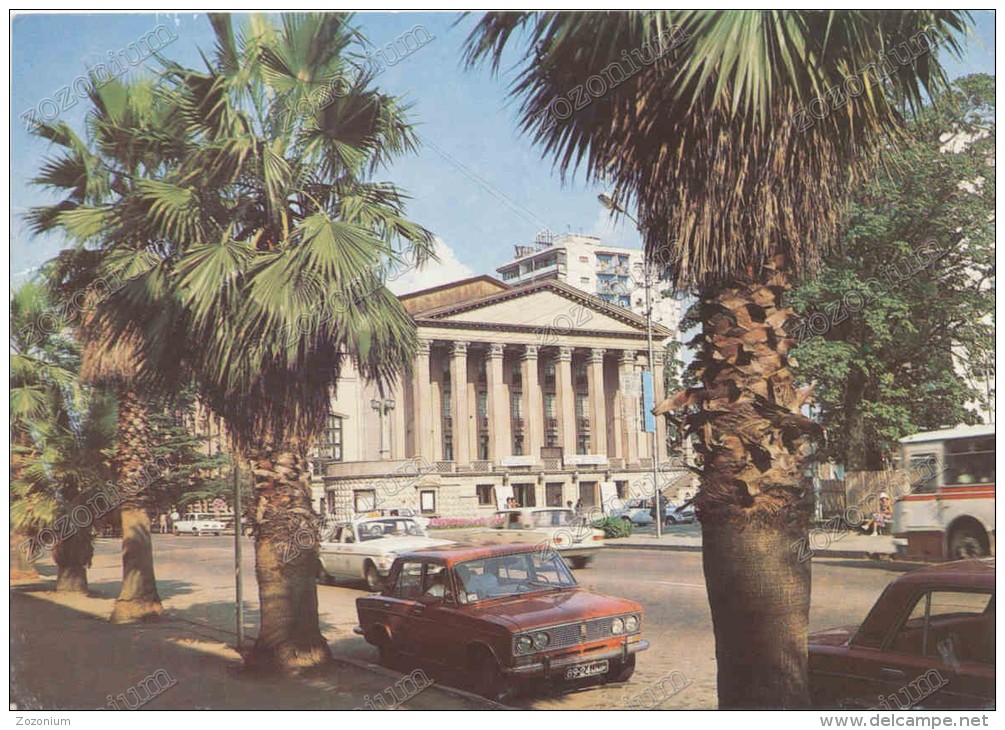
[
  {"x": 138, "y": 599},
  {"x": 286, "y": 562},
  {"x": 73, "y": 557},
  {"x": 754, "y": 510}
]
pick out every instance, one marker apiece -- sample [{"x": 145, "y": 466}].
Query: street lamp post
[{"x": 611, "y": 204}]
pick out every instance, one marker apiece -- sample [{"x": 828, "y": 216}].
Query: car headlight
[
  {"x": 618, "y": 626},
  {"x": 524, "y": 644},
  {"x": 631, "y": 624},
  {"x": 541, "y": 640}
]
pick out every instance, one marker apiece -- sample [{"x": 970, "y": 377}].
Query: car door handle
[
  {"x": 417, "y": 610},
  {"x": 891, "y": 673},
  {"x": 385, "y": 605}
]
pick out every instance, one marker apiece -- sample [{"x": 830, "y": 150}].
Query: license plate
[{"x": 586, "y": 670}]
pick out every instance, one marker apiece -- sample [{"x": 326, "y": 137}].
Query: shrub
[{"x": 614, "y": 527}]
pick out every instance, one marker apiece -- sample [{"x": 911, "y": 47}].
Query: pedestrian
[
  {"x": 164, "y": 522},
  {"x": 569, "y": 504},
  {"x": 579, "y": 507},
  {"x": 174, "y": 516}
]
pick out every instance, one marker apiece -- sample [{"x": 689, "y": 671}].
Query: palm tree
[
  {"x": 95, "y": 175},
  {"x": 60, "y": 432},
  {"x": 250, "y": 257},
  {"x": 738, "y": 136}
]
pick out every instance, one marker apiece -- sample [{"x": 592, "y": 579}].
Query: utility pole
[
  {"x": 646, "y": 268},
  {"x": 239, "y": 588}
]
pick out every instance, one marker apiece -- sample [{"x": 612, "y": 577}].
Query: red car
[
  {"x": 501, "y": 614},
  {"x": 929, "y": 642}
]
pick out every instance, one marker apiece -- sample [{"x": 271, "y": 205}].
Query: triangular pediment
[{"x": 542, "y": 305}]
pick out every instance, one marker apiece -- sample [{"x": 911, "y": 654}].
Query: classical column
[
  {"x": 565, "y": 392},
  {"x": 399, "y": 428},
  {"x": 459, "y": 402},
  {"x": 629, "y": 407},
  {"x": 597, "y": 401},
  {"x": 533, "y": 415},
  {"x": 497, "y": 404},
  {"x": 422, "y": 404},
  {"x": 658, "y": 396}
]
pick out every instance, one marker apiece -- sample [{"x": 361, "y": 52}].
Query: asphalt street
[{"x": 196, "y": 579}]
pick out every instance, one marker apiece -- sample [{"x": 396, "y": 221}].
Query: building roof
[
  {"x": 453, "y": 292},
  {"x": 441, "y": 315},
  {"x": 950, "y": 433}
]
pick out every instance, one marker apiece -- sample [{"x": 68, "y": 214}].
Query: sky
[{"x": 476, "y": 182}]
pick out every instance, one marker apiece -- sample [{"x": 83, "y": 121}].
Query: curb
[{"x": 377, "y": 669}]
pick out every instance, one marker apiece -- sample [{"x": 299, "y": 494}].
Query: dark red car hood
[
  {"x": 525, "y": 612},
  {"x": 833, "y": 637}
]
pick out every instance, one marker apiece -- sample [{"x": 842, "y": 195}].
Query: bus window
[
  {"x": 970, "y": 461},
  {"x": 924, "y": 473}
]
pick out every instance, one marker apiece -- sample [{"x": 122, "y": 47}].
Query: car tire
[
  {"x": 965, "y": 542},
  {"x": 324, "y": 577},
  {"x": 578, "y": 563},
  {"x": 488, "y": 678},
  {"x": 373, "y": 580},
  {"x": 621, "y": 671}
]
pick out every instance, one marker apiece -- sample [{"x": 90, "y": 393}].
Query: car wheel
[
  {"x": 488, "y": 678},
  {"x": 621, "y": 671},
  {"x": 373, "y": 579},
  {"x": 579, "y": 562},
  {"x": 965, "y": 542},
  {"x": 386, "y": 653}
]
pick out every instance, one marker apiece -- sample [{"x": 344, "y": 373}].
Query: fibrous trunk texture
[
  {"x": 750, "y": 436},
  {"x": 133, "y": 460},
  {"x": 286, "y": 563}
]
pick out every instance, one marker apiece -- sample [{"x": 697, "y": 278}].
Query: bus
[{"x": 949, "y": 512}]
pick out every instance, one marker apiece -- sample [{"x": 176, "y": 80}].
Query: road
[{"x": 195, "y": 576}]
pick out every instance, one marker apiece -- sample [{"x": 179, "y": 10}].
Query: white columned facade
[
  {"x": 628, "y": 406},
  {"x": 565, "y": 393},
  {"x": 422, "y": 403},
  {"x": 460, "y": 427},
  {"x": 500, "y": 443},
  {"x": 533, "y": 414},
  {"x": 597, "y": 401}
]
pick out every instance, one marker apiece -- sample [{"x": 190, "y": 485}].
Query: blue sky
[{"x": 477, "y": 183}]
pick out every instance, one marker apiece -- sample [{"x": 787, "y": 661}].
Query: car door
[
  {"x": 400, "y": 605},
  {"x": 940, "y": 655},
  {"x": 433, "y": 622},
  {"x": 328, "y": 552}
]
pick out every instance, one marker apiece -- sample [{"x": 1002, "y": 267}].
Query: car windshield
[
  {"x": 510, "y": 575},
  {"x": 389, "y": 527}
]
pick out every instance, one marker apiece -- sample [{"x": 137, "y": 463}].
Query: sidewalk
[
  {"x": 66, "y": 656},
  {"x": 822, "y": 543}
]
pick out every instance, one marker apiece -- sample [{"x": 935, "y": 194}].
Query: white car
[
  {"x": 396, "y": 512},
  {"x": 573, "y": 537},
  {"x": 364, "y": 549},
  {"x": 636, "y": 511},
  {"x": 199, "y": 524},
  {"x": 675, "y": 515}
]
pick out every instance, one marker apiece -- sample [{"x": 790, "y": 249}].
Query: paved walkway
[{"x": 66, "y": 656}]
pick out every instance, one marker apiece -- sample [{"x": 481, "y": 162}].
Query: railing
[
  {"x": 551, "y": 463},
  {"x": 446, "y": 467},
  {"x": 481, "y": 465}
]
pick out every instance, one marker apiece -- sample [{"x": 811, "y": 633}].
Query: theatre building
[{"x": 531, "y": 392}]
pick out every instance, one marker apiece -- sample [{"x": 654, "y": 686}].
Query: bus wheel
[{"x": 966, "y": 542}]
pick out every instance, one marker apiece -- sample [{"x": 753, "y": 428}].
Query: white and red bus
[{"x": 949, "y": 512}]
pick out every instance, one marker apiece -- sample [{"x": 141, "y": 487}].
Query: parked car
[
  {"x": 504, "y": 614},
  {"x": 928, "y": 642},
  {"x": 556, "y": 527},
  {"x": 636, "y": 511},
  {"x": 365, "y": 549},
  {"x": 397, "y": 512},
  {"x": 198, "y": 524},
  {"x": 679, "y": 514}
]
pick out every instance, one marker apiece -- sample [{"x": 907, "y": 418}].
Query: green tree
[
  {"x": 739, "y": 137},
  {"x": 905, "y": 302},
  {"x": 61, "y": 433},
  {"x": 250, "y": 241}
]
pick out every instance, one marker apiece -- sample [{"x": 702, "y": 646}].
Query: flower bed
[{"x": 449, "y": 523}]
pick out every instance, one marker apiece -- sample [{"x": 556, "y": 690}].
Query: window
[
  {"x": 622, "y": 487},
  {"x": 486, "y": 495},
  {"x": 524, "y": 494},
  {"x": 553, "y": 494},
  {"x": 483, "y": 446},
  {"x": 436, "y": 584},
  {"x": 924, "y": 473},
  {"x": 518, "y": 444},
  {"x": 956, "y": 626},
  {"x": 408, "y": 584},
  {"x": 970, "y": 461},
  {"x": 584, "y": 280},
  {"x": 329, "y": 447},
  {"x": 427, "y": 501},
  {"x": 588, "y": 494},
  {"x": 364, "y": 500}
]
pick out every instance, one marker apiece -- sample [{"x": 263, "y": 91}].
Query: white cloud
[{"x": 448, "y": 268}]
